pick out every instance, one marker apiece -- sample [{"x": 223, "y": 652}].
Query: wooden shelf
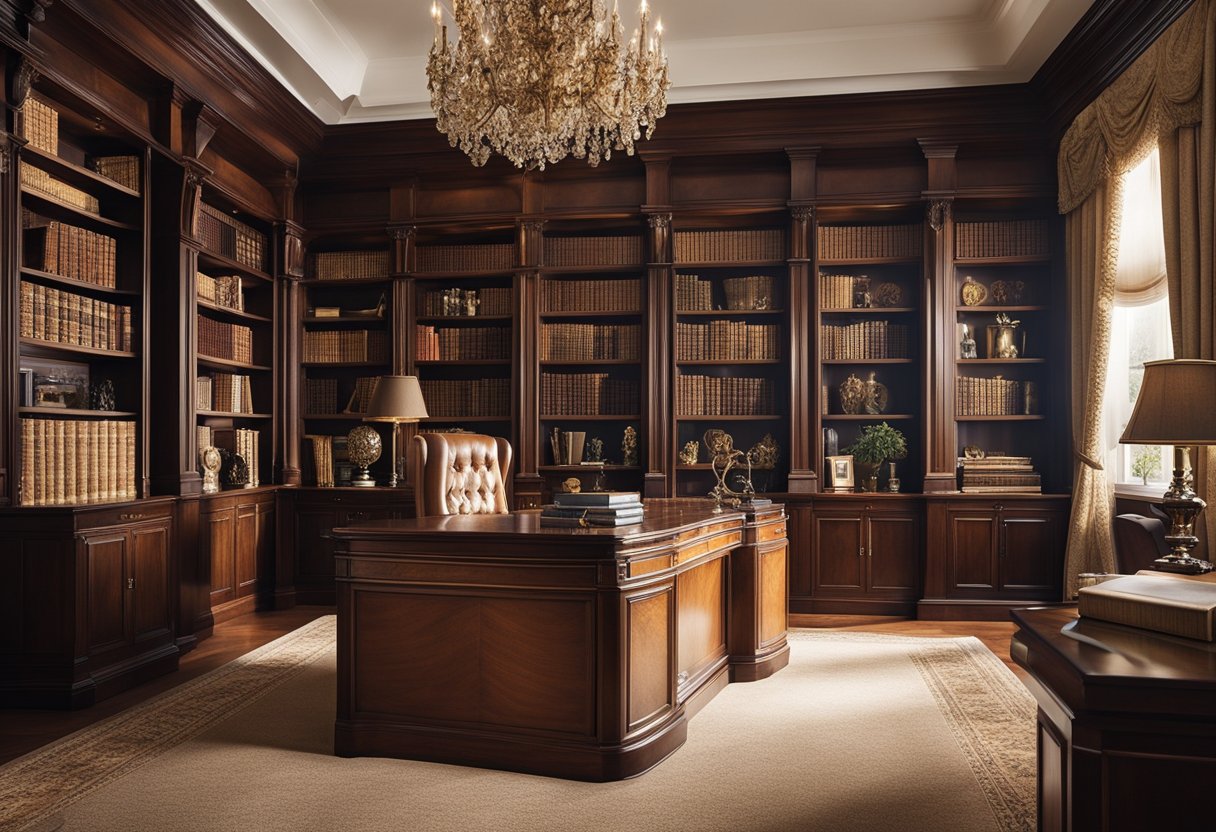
[
  {"x": 719, "y": 313},
  {"x": 1020, "y": 418},
  {"x": 467, "y": 419},
  {"x": 73, "y": 174},
  {"x": 224, "y": 363},
  {"x": 763, "y": 417},
  {"x": 719, "y": 362},
  {"x": 214, "y": 260},
  {"x": 324, "y": 364},
  {"x": 74, "y": 284},
  {"x": 732, "y": 264},
  {"x": 871, "y": 261},
  {"x": 73, "y": 349},
  {"x": 577, "y": 363},
  {"x": 591, "y": 418},
  {"x": 590, "y": 468},
  {"x": 74, "y": 411},
  {"x": 447, "y": 362},
  {"x": 588, "y": 314},
  {"x": 963, "y": 361},
  {"x": 989, "y": 309},
  {"x": 632, "y": 269},
  {"x": 444, "y": 319},
  {"x": 465, "y": 275},
  {"x": 225, "y": 414},
  {"x": 866, "y": 417},
  {"x": 870, "y": 310},
  {"x": 334, "y": 417},
  {"x": 353, "y": 281},
  {"x": 1024, "y": 260},
  {"x": 238, "y": 314},
  {"x": 868, "y": 361},
  {"x": 367, "y": 323},
  {"x": 71, "y": 213}
]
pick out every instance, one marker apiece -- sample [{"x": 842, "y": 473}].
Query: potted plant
[{"x": 876, "y": 445}]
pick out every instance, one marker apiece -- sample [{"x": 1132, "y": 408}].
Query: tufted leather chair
[
  {"x": 460, "y": 473},
  {"x": 1139, "y": 541}
]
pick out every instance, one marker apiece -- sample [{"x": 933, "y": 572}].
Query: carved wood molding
[
  {"x": 292, "y": 235},
  {"x": 802, "y": 213},
  {"x": 22, "y": 82},
  {"x": 194, "y": 174},
  {"x": 659, "y": 221},
  {"x": 937, "y": 213}
]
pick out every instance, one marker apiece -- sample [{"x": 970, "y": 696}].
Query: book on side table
[
  {"x": 594, "y": 508},
  {"x": 1152, "y": 602}
]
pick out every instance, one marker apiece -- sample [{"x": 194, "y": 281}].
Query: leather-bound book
[{"x": 1180, "y": 608}]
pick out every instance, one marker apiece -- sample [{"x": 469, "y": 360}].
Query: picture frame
[
  {"x": 62, "y": 385},
  {"x": 838, "y": 473}
]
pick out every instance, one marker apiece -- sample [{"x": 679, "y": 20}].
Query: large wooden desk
[
  {"x": 1127, "y": 723},
  {"x": 577, "y": 653}
]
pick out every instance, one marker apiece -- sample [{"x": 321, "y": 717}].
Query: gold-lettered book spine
[{"x": 1149, "y": 614}]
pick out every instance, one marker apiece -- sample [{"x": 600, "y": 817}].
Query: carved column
[
  {"x": 525, "y": 371},
  {"x": 804, "y": 434},
  {"x": 289, "y": 302},
  {"x": 658, "y": 478},
  {"x": 938, "y": 322}
]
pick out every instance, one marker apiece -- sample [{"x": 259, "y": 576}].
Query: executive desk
[
  {"x": 1127, "y": 723},
  {"x": 579, "y": 653}
]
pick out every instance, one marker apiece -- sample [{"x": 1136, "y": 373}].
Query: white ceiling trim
[{"x": 306, "y": 46}]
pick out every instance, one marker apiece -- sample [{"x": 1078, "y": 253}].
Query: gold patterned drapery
[{"x": 1168, "y": 87}]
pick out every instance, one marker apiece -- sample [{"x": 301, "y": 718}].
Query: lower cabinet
[
  {"x": 238, "y": 532},
  {"x": 87, "y": 607},
  {"x": 987, "y": 556},
  {"x": 305, "y": 560},
  {"x": 865, "y": 555}
]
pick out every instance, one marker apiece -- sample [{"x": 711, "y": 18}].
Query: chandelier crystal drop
[{"x": 538, "y": 80}]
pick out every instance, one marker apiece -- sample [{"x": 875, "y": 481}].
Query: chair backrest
[
  {"x": 460, "y": 473},
  {"x": 1139, "y": 541}
]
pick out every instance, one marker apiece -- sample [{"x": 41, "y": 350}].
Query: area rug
[{"x": 861, "y": 732}]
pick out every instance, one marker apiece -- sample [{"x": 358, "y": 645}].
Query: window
[{"x": 1140, "y": 330}]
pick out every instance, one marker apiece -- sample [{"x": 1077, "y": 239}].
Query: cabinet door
[
  {"x": 245, "y": 554},
  {"x": 314, "y": 552},
  {"x": 1032, "y": 551},
  {"x": 266, "y": 544},
  {"x": 105, "y": 614},
  {"x": 219, "y": 528},
  {"x": 893, "y": 554},
  {"x": 971, "y": 559},
  {"x": 838, "y": 556},
  {"x": 151, "y": 610}
]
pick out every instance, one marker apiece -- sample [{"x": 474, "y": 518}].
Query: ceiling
[{"x": 364, "y": 60}]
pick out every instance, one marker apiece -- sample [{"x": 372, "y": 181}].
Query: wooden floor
[{"x": 22, "y": 731}]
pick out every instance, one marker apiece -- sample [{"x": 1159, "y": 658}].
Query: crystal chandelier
[{"x": 539, "y": 80}]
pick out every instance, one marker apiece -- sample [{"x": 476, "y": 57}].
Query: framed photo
[
  {"x": 56, "y": 384},
  {"x": 839, "y": 473}
]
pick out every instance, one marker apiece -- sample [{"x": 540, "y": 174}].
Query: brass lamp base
[
  {"x": 1183, "y": 566},
  {"x": 363, "y": 479},
  {"x": 1182, "y": 506}
]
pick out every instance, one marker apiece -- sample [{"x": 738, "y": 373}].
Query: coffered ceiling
[{"x": 364, "y": 60}]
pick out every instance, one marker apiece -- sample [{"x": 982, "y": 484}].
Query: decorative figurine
[
  {"x": 724, "y": 457},
  {"x": 629, "y": 447},
  {"x": 967, "y": 345},
  {"x": 861, "y": 292},
  {"x": 363, "y": 446},
  {"x": 101, "y": 395},
  {"x": 852, "y": 395},
  {"x": 764, "y": 453},
  {"x": 572, "y": 485},
  {"x": 875, "y": 397},
  {"x": 690, "y": 452},
  {"x": 888, "y": 294},
  {"x": 1017, "y": 290},
  {"x": 210, "y": 461},
  {"x": 595, "y": 450},
  {"x": 973, "y": 293},
  {"x": 1001, "y": 337},
  {"x": 1000, "y": 291},
  {"x": 234, "y": 470}
]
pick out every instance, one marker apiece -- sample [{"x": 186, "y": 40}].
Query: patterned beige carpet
[{"x": 861, "y": 732}]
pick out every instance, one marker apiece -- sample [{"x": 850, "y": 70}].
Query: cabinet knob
[
  {"x": 130, "y": 583},
  {"x": 862, "y": 552},
  {"x": 997, "y": 507},
  {"x": 868, "y": 507}
]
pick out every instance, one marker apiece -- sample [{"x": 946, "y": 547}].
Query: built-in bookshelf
[
  {"x": 591, "y": 353},
  {"x": 234, "y": 308},
  {"x": 730, "y": 352},
  {"x": 1005, "y": 308},
  {"x": 869, "y": 311},
  {"x": 80, "y": 397},
  {"x": 346, "y": 345},
  {"x": 463, "y": 336}
]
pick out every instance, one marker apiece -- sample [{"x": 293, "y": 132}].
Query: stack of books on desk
[
  {"x": 593, "y": 508},
  {"x": 999, "y": 474}
]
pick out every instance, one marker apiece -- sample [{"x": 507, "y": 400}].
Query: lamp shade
[
  {"x": 396, "y": 399},
  {"x": 1176, "y": 405}
]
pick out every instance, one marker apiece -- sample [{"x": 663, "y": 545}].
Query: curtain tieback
[{"x": 1088, "y": 460}]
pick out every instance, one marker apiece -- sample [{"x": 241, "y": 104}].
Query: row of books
[
  {"x": 67, "y": 318},
  {"x": 729, "y": 246},
  {"x": 220, "y": 339},
  {"x": 321, "y": 395},
  {"x": 1006, "y": 238},
  {"x": 593, "y": 251},
  {"x": 70, "y": 251},
  {"x": 39, "y": 180},
  {"x": 231, "y": 238},
  {"x": 330, "y": 459},
  {"x": 41, "y": 125},
  {"x": 488, "y": 300},
  {"x": 863, "y": 341},
  {"x": 345, "y": 346},
  {"x": 622, "y": 296},
  {"x": 594, "y": 508},
  {"x": 856, "y": 242},
  {"x": 245, "y": 445},
  {"x": 122, "y": 169},
  {"x": 467, "y": 397},
  {"x": 727, "y": 340},
  {"x": 590, "y": 342},
  {"x": 718, "y": 396},
  {"x": 224, "y": 290},
  {"x": 587, "y": 394},
  {"x": 462, "y": 343},
  {"x": 998, "y": 474},
  {"x": 350, "y": 265},
  {"x": 471, "y": 257},
  {"x": 837, "y": 291},
  {"x": 77, "y": 461},
  {"x": 694, "y": 293},
  {"x": 995, "y": 396},
  {"x": 224, "y": 392}
]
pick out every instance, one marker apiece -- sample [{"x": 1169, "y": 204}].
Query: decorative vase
[
  {"x": 874, "y": 395},
  {"x": 892, "y": 480}
]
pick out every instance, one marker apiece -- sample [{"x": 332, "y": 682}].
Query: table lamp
[
  {"x": 1177, "y": 406},
  {"x": 396, "y": 399}
]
